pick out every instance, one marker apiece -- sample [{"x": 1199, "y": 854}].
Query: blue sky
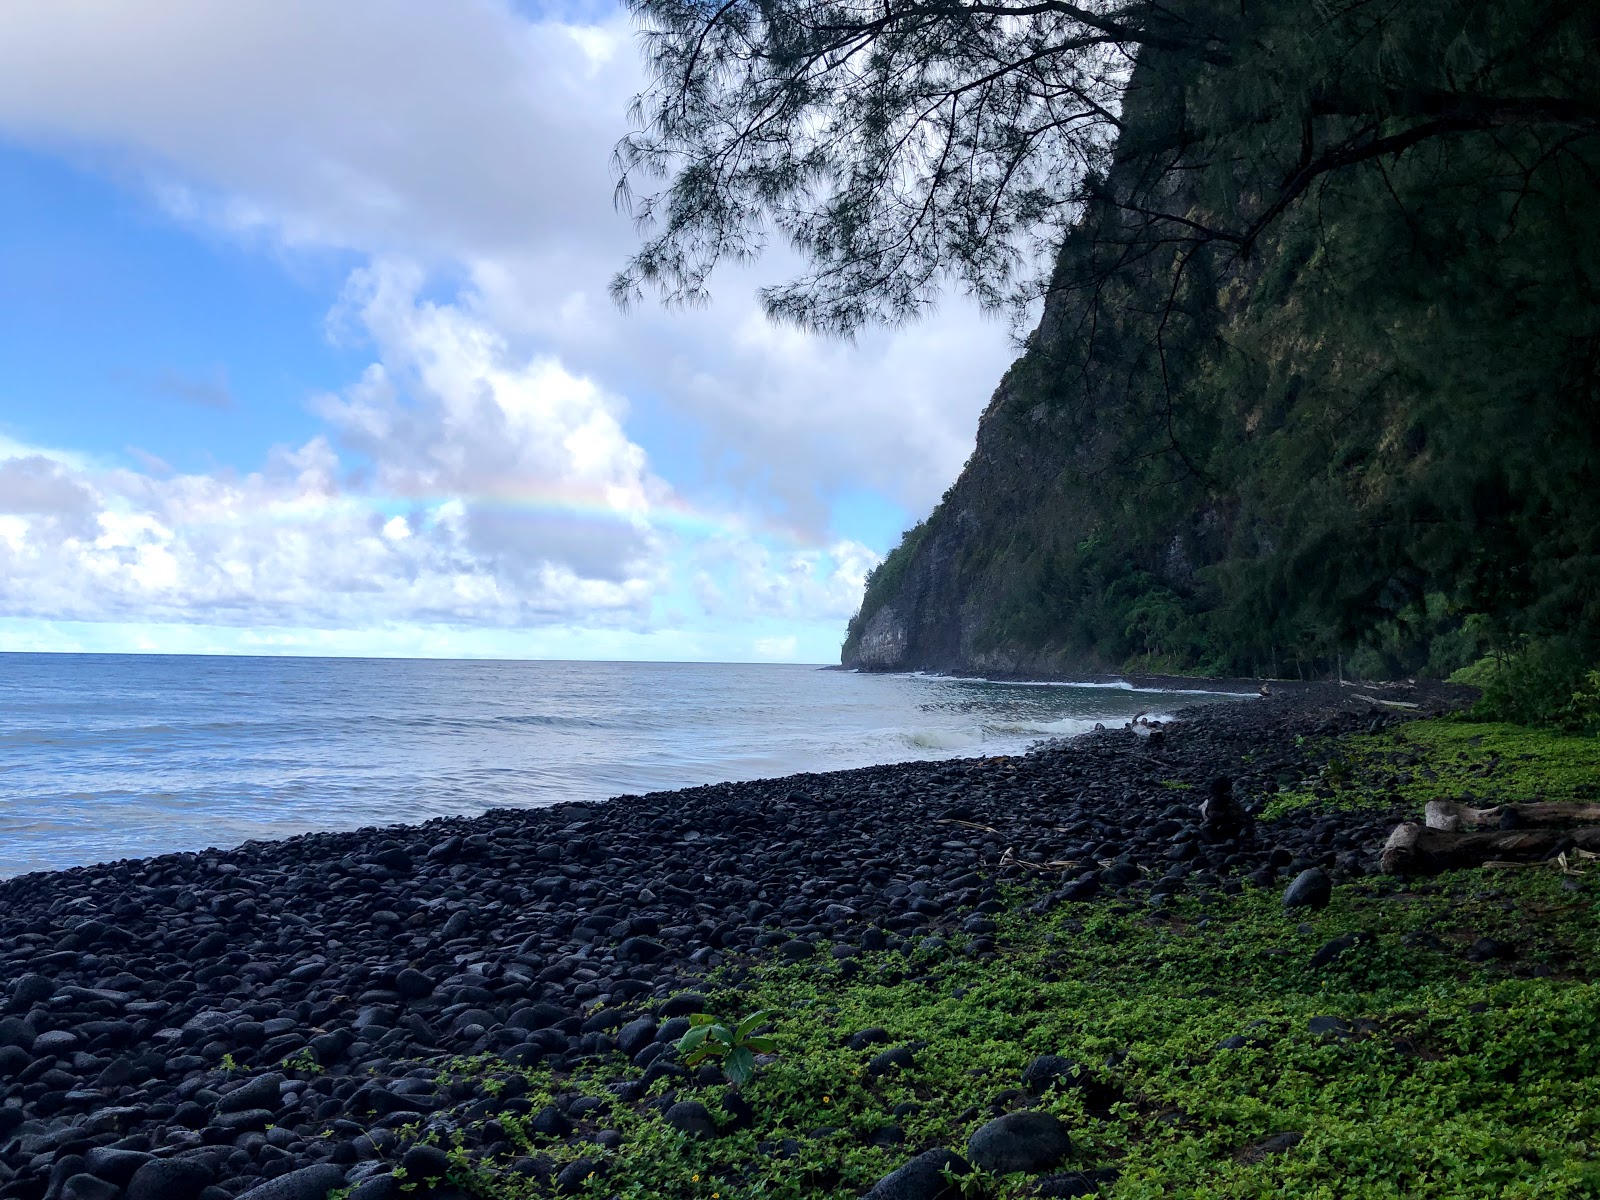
[{"x": 305, "y": 348}]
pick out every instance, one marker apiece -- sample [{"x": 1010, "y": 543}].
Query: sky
[{"x": 306, "y": 347}]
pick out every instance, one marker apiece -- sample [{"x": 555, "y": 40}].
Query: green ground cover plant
[
  {"x": 1451, "y": 1049},
  {"x": 1476, "y": 761}
]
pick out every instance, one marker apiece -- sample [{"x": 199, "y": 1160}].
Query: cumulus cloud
[
  {"x": 484, "y": 453},
  {"x": 39, "y": 486},
  {"x": 374, "y": 124},
  {"x": 482, "y": 469},
  {"x": 456, "y": 484},
  {"x": 470, "y": 138}
]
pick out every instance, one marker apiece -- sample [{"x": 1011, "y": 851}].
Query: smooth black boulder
[
  {"x": 636, "y": 1035},
  {"x": 900, "y": 1057},
  {"x": 692, "y": 1119},
  {"x": 1019, "y": 1141},
  {"x": 1311, "y": 889},
  {"x": 923, "y": 1178},
  {"x": 426, "y": 1162},
  {"x": 115, "y": 1166},
  {"x": 88, "y": 1187},
  {"x": 1334, "y": 950},
  {"x": 169, "y": 1179},
  {"x": 412, "y": 984},
  {"x": 575, "y": 1176},
  {"x": 260, "y": 1092},
  {"x": 379, "y": 1187},
  {"x": 1076, "y": 1183},
  {"x": 308, "y": 1183},
  {"x": 640, "y": 949},
  {"x": 1047, "y": 1071},
  {"x": 683, "y": 1004},
  {"x": 861, "y": 1039},
  {"x": 30, "y": 990}
]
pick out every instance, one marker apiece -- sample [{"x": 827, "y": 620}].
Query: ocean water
[{"x": 122, "y": 756}]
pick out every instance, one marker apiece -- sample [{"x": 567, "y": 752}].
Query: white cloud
[
  {"x": 380, "y": 125},
  {"x": 467, "y": 137},
  {"x": 462, "y": 143},
  {"x": 457, "y": 487},
  {"x": 485, "y": 453}
]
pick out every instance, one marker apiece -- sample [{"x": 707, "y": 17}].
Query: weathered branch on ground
[
  {"x": 1414, "y": 849},
  {"x": 1453, "y": 816}
]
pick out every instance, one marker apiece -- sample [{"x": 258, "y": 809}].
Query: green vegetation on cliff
[
  {"x": 1375, "y": 438},
  {"x": 1317, "y": 379}
]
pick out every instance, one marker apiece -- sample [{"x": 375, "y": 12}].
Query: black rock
[
  {"x": 1019, "y": 1141},
  {"x": 673, "y": 1030},
  {"x": 1076, "y": 1183},
  {"x": 169, "y": 1179},
  {"x": 115, "y": 1166},
  {"x": 30, "y": 990},
  {"x": 1046, "y": 1071},
  {"x": 379, "y": 1187},
  {"x": 1278, "y": 1143},
  {"x": 640, "y": 949},
  {"x": 308, "y": 1183},
  {"x": 1336, "y": 949},
  {"x": 867, "y": 1037},
  {"x": 692, "y": 1119},
  {"x": 1311, "y": 889},
  {"x": 923, "y": 1178},
  {"x": 1119, "y": 874},
  {"x": 245, "y": 1121},
  {"x": 1085, "y": 887},
  {"x": 796, "y": 951},
  {"x": 740, "y": 1113},
  {"x": 899, "y": 1058},
  {"x": 550, "y": 1121},
  {"x": 260, "y": 1092},
  {"x": 87, "y": 1187},
  {"x": 426, "y": 1162},
  {"x": 1331, "y": 1027},
  {"x": 539, "y": 1016},
  {"x": 636, "y": 1035},
  {"x": 575, "y": 1176},
  {"x": 412, "y": 984},
  {"x": 1487, "y": 949},
  {"x": 683, "y": 1004}
]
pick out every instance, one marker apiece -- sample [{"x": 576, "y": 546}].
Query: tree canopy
[{"x": 905, "y": 145}]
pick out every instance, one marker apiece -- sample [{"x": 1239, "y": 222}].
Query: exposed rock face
[
  {"x": 1173, "y": 477},
  {"x": 970, "y": 589},
  {"x": 882, "y": 647}
]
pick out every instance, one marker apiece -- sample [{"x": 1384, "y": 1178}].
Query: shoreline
[{"x": 259, "y": 1014}]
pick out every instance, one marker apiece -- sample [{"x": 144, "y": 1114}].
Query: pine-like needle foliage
[{"x": 903, "y": 145}]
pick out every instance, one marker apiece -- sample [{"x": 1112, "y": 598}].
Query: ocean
[{"x": 123, "y": 756}]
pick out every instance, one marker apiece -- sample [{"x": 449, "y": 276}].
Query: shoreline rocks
[{"x": 258, "y": 1021}]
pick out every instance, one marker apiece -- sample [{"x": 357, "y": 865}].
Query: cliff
[{"x": 1370, "y": 441}]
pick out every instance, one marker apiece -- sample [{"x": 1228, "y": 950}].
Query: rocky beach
[{"x": 284, "y": 1019}]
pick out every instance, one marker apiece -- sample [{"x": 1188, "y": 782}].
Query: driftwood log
[
  {"x": 1452, "y": 815},
  {"x": 1414, "y": 849}
]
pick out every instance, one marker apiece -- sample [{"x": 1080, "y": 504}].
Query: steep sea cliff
[{"x": 1367, "y": 439}]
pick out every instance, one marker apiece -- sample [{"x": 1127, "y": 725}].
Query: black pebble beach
[{"x": 155, "y": 1010}]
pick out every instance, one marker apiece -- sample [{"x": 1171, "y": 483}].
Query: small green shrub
[
  {"x": 737, "y": 1045},
  {"x": 303, "y": 1060},
  {"x": 1584, "y": 711},
  {"x": 1547, "y": 683}
]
